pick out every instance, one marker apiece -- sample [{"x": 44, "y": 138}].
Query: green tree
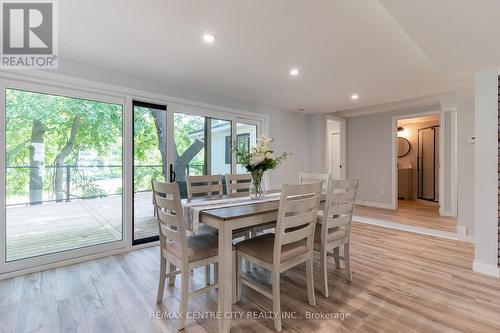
[{"x": 66, "y": 127}]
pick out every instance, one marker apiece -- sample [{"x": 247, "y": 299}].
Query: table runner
[{"x": 192, "y": 209}]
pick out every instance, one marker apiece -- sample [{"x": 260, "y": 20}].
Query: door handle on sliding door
[{"x": 172, "y": 173}]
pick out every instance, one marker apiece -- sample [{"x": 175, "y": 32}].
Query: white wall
[
  {"x": 465, "y": 163},
  {"x": 486, "y": 172},
  {"x": 290, "y": 129}
]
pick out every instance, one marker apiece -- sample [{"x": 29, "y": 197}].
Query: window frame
[{"x": 48, "y": 259}]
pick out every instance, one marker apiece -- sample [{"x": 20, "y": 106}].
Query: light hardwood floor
[
  {"x": 402, "y": 282},
  {"x": 412, "y": 213}
]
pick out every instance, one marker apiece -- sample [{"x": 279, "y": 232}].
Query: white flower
[
  {"x": 259, "y": 148},
  {"x": 257, "y": 159},
  {"x": 269, "y": 155}
]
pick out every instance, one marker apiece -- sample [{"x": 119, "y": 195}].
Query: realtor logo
[{"x": 29, "y": 34}]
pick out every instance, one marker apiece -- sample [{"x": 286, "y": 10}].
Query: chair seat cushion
[
  {"x": 262, "y": 247},
  {"x": 333, "y": 234},
  {"x": 200, "y": 246}
]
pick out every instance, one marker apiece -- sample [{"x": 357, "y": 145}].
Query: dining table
[{"x": 227, "y": 214}]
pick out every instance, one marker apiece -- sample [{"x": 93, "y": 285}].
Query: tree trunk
[
  {"x": 161, "y": 130},
  {"x": 36, "y": 162},
  {"x": 61, "y": 157},
  {"x": 181, "y": 162}
]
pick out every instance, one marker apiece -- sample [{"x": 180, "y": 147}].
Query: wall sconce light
[{"x": 402, "y": 132}]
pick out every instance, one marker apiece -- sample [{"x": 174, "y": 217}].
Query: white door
[{"x": 335, "y": 159}]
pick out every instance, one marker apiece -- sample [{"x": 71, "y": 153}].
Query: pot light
[
  {"x": 294, "y": 72},
  {"x": 354, "y": 97},
  {"x": 208, "y": 38},
  {"x": 301, "y": 108}
]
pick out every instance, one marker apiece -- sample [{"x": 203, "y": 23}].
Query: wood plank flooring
[
  {"x": 412, "y": 213},
  {"x": 402, "y": 282}
]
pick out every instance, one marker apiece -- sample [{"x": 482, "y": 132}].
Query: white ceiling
[{"x": 385, "y": 50}]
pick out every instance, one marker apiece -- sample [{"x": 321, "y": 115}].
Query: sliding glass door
[
  {"x": 63, "y": 173},
  {"x": 150, "y": 162}
]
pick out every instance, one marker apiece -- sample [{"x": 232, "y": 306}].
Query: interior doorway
[
  {"x": 421, "y": 173},
  {"x": 335, "y": 146}
]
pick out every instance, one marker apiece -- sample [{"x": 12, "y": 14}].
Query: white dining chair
[
  {"x": 177, "y": 249},
  {"x": 204, "y": 186},
  {"x": 323, "y": 178},
  {"x": 291, "y": 245},
  {"x": 238, "y": 184},
  {"x": 334, "y": 228}
]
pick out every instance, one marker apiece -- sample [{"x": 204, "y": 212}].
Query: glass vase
[{"x": 257, "y": 190}]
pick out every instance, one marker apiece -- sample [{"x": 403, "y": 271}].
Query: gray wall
[
  {"x": 486, "y": 171},
  {"x": 465, "y": 163},
  {"x": 369, "y": 155},
  {"x": 290, "y": 129},
  {"x": 316, "y": 149}
]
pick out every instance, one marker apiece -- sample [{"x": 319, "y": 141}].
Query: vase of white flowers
[{"x": 257, "y": 161}]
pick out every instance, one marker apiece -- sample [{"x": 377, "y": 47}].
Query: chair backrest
[
  {"x": 238, "y": 184},
  {"x": 204, "y": 186},
  {"x": 323, "y": 178},
  {"x": 297, "y": 216},
  {"x": 169, "y": 213},
  {"x": 339, "y": 206}
]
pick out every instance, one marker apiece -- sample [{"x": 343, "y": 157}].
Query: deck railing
[{"x": 69, "y": 170}]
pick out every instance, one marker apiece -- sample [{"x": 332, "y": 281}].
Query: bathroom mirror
[{"x": 404, "y": 147}]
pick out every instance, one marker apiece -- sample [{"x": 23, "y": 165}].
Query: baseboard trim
[
  {"x": 407, "y": 227},
  {"x": 486, "y": 269},
  {"x": 448, "y": 213},
  {"x": 374, "y": 204},
  {"x": 462, "y": 232},
  {"x": 470, "y": 239}
]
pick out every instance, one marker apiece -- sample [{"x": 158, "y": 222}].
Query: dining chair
[
  {"x": 238, "y": 184},
  {"x": 177, "y": 250},
  {"x": 323, "y": 178},
  {"x": 291, "y": 244},
  {"x": 334, "y": 229},
  {"x": 204, "y": 186}
]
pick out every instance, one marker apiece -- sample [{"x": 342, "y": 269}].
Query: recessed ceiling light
[
  {"x": 294, "y": 72},
  {"x": 208, "y": 38},
  {"x": 302, "y": 108},
  {"x": 354, "y": 97}
]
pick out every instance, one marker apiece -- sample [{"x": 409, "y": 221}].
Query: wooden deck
[{"x": 54, "y": 227}]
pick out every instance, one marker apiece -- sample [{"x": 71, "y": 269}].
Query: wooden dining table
[{"x": 226, "y": 220}]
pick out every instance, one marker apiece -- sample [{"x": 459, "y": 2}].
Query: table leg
[{"x": 225, "y": 277}]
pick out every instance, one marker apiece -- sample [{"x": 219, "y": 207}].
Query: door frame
[
  {"x": 453, "y": 161},
  {"x": 343, "y": 144}
]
